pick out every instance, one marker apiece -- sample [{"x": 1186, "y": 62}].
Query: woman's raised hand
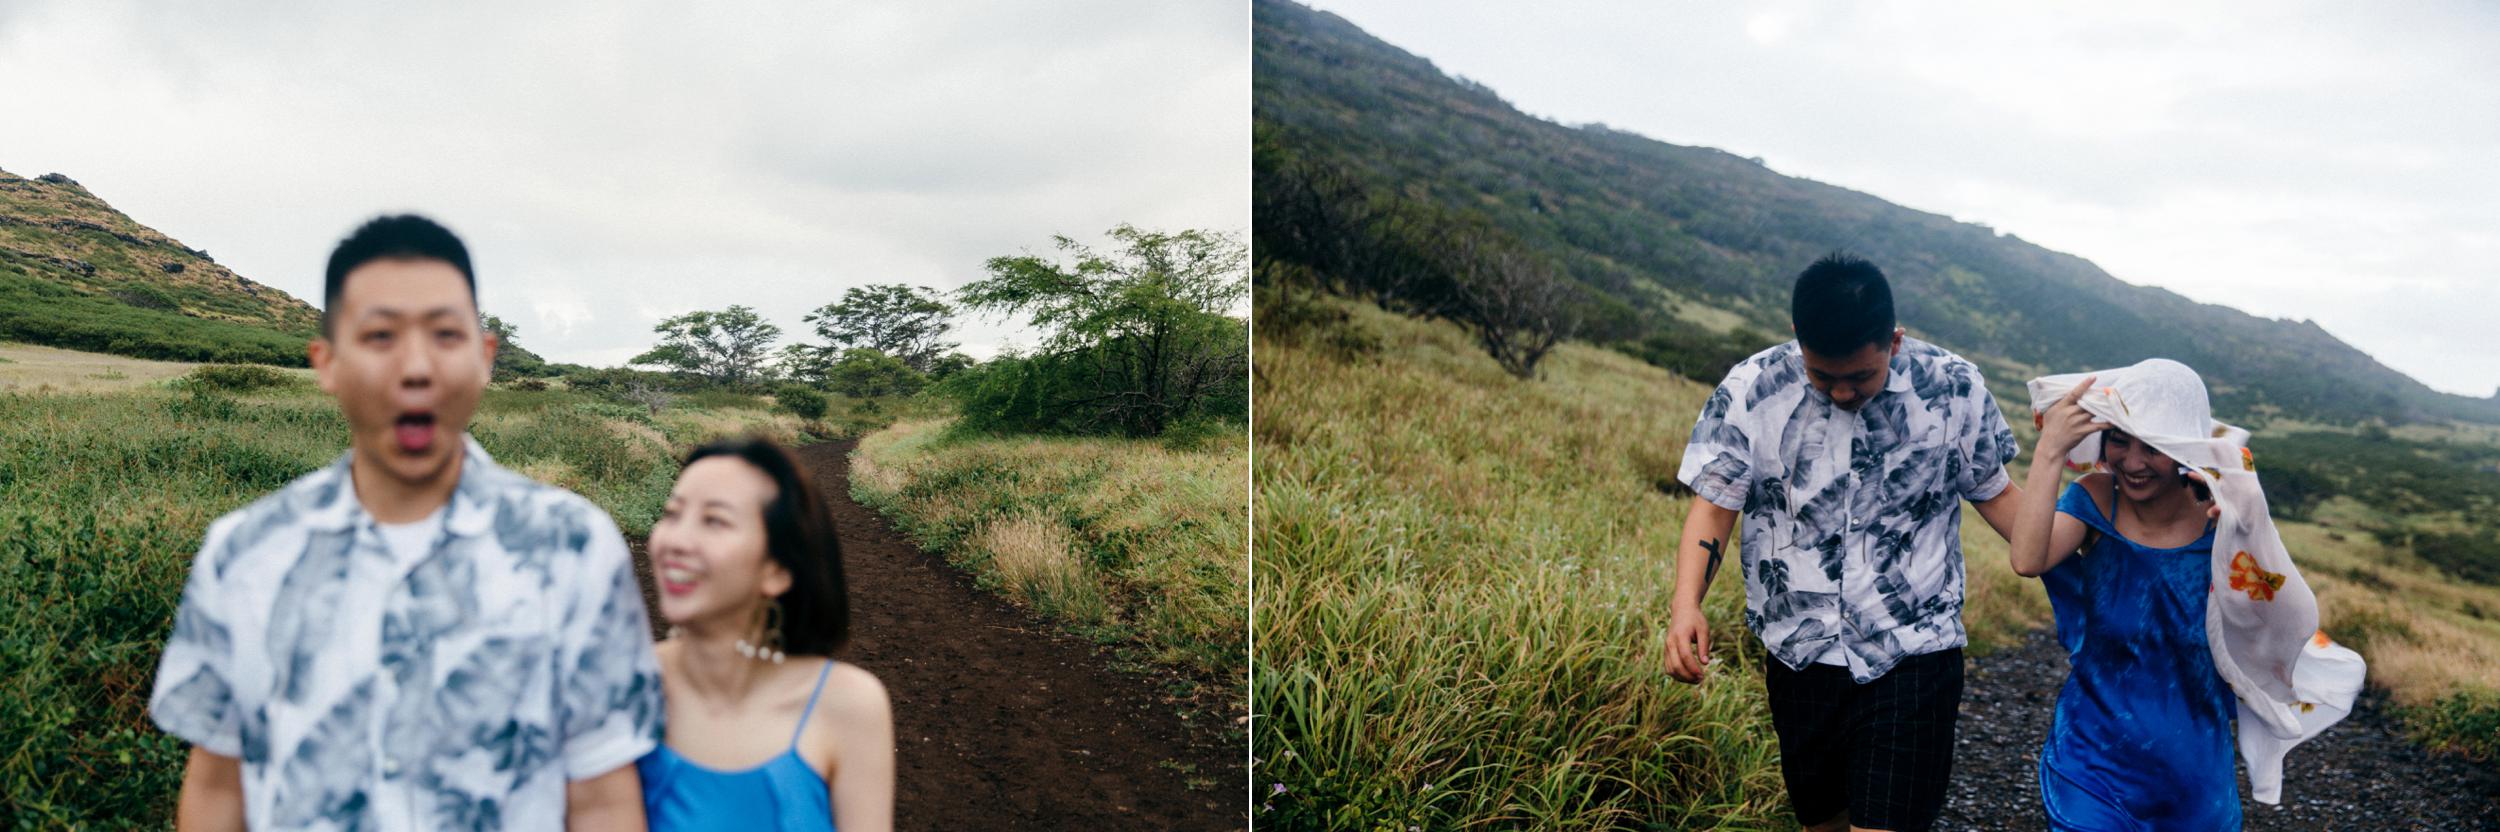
[{"x": 2066, "y": 424}]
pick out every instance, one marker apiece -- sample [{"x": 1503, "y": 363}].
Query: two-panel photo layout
[{"x": 1363, "y": 415}]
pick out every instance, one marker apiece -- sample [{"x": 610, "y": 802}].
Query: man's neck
[{"x": 392, "y": 500}]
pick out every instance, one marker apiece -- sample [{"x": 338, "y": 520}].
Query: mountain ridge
[
  {"x": 76, "y": 272},
  {"x": 1661, "y": 227}
]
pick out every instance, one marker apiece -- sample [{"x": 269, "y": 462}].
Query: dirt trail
[
  {"x": 2361, "y": 774},
  {"x": 1000, "y": 722}
]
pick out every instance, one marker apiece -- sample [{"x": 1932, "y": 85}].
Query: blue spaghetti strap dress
[
  {"x": 2142, "y": 735},
  {"x": 784, "y": 794}
]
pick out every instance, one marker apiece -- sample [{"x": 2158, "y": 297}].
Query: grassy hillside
[
  {"x": 1131, "y": 542},
  {"x": 1462, "y": 585},
  {"x": 104, "y": 497},
  {"x": 76, "y": 273},
  {"x": 1672, "y": 238}
]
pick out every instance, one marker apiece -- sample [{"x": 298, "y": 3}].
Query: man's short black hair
[
  {"x": 392, "y": 237},
  {"x": 1842, "y": 304}
]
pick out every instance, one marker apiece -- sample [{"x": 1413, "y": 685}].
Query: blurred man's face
[
  {"x": 1849, "y": 380},
  {"x": 407, "y": 361}
]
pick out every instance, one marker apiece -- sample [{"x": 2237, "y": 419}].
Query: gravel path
[{"x": 2362, "y": 774}]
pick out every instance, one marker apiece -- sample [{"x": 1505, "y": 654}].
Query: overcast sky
[
  {"x": 2338, "y": 162},
  {"x": 613, "y": 163}
]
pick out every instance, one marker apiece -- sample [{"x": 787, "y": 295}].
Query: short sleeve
[
  {"x": 609, "y": 709},
  {"x": 1991, "y": 447},
  {"x": 1718, "y": 458},
  {"x": 194, "y": 696}
]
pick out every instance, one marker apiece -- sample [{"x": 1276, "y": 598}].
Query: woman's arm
[
  {"x": 2042, "y": 537},
  {"x": 862, "y": 781}
]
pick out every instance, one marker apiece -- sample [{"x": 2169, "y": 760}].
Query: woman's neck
[
  {"x": 708, "y": 660},
  {"x": 2162, "y": 513}
]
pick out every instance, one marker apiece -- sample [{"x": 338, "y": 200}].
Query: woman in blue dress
[
  {"x": 766, "y": 731},
  {"x": 2142, "y": 738}
]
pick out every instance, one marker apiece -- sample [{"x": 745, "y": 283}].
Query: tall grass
[
  {"x": 1129, "y": 541},
  {"x": 1462, "y": 584},
  {"x": 104, "y": 498}
]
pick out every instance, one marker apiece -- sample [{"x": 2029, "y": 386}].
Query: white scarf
[{"x": 2260, "y": 617}]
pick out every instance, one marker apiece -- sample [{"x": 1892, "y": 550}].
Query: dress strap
[{"x": 811, "y": 702}]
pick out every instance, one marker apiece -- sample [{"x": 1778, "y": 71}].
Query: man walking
[
  {"x": 1848, "y": 452},
  {"x": 412, "y": 637}
]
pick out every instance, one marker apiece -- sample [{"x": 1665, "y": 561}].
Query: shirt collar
[
  {"x": 1897, "y": 380},
  {"x": 331, "y": 503}
]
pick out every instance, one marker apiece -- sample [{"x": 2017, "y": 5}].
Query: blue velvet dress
[{"x": 2142, "y": 737}]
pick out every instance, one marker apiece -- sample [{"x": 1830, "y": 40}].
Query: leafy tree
[
  {"x": 897, "y": 320},
  {"x": 1145, "y": 334},
  {"x": 727, "y": 347},
  {"x": 948, "y": 365},
  {"x": 805, "y": 364},
  {"x": 864, "y": 373},
  {"x": 511, "y": 359}
]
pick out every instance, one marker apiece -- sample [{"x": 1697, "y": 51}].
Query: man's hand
[
  {"x": 212, "y": 793},
  {"x": 1688, "y": 645},
  {"x": 1697, "y": 558}
]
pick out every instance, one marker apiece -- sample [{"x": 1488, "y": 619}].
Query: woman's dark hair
[{"x": 798, "y": 534}]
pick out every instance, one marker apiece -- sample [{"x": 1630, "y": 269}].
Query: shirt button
[{"x": 390, "y": 768}]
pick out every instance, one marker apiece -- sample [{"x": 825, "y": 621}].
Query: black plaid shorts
[{"x": 1883, "y": 750}]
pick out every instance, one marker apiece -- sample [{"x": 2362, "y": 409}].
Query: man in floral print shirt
[
  {"x": 412, "y": 637},
  {"x": 1848, "y": 452}
]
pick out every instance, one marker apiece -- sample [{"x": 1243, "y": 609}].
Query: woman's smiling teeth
[{"x": 677, "y": 579}]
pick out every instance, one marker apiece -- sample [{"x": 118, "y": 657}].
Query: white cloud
[{"x": 605, "y": 161}]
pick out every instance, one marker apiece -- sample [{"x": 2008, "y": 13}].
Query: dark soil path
[
  {"x": 2361, "y": 774},
  {"x": 1000, "y": 722}
]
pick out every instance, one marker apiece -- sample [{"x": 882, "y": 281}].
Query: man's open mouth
[{"x": 415, "y": 432}]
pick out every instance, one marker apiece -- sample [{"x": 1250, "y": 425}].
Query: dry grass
[
  {"x": 27, "y": 368},
  {"x": 1037, "y": 564},
  {"x": 1152, "y": 538},
  {"x": 1461, "y": 584}
]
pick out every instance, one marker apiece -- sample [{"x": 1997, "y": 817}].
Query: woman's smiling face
[
  {"x": 709, "y": 549},
  {"x": 2143, "y": 474}
]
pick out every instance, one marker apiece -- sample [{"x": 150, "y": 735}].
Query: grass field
[
  {"x": 1461, "y": 588},
  {"x": 1131, "y": 542},
  {"x": 104, "y": 497}
]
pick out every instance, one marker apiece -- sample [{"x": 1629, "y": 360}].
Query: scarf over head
[{"x": 2260, "y": 618}]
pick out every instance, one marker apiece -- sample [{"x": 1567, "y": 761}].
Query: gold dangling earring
[{"x": 772, "y": 631}]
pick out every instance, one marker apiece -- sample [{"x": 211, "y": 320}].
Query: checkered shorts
[{"x": 1883, "y": 750}]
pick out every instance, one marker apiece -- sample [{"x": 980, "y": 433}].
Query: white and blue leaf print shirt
[
  {"x": 460, "y": 686},
  {"x": 1852, "y": 520}
]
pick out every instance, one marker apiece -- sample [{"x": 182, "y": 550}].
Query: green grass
[
  {"x": 1462, "y": 582},
  {"x": 1132, "y": 542},
  {"x": 103, "y": 500},
  {"x": 40, "y": 311},
  {"x": 1461, "y": 592}
]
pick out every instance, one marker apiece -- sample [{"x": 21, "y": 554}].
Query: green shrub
[
  {"x": 236, "y": 378},
  {"x": 38, "y": 311},
  {"x": 801, "y": 400},
  {"x": 2467, "y": 722}
]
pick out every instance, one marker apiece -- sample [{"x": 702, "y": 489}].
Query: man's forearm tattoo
[{"x": 1713, "y": 545}]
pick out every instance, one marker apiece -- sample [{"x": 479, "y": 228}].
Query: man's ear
[
  {"x": 319, "y": 351},
  {"x": 493, "y": 342},
  {"x": 1896, "y": 340}
]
